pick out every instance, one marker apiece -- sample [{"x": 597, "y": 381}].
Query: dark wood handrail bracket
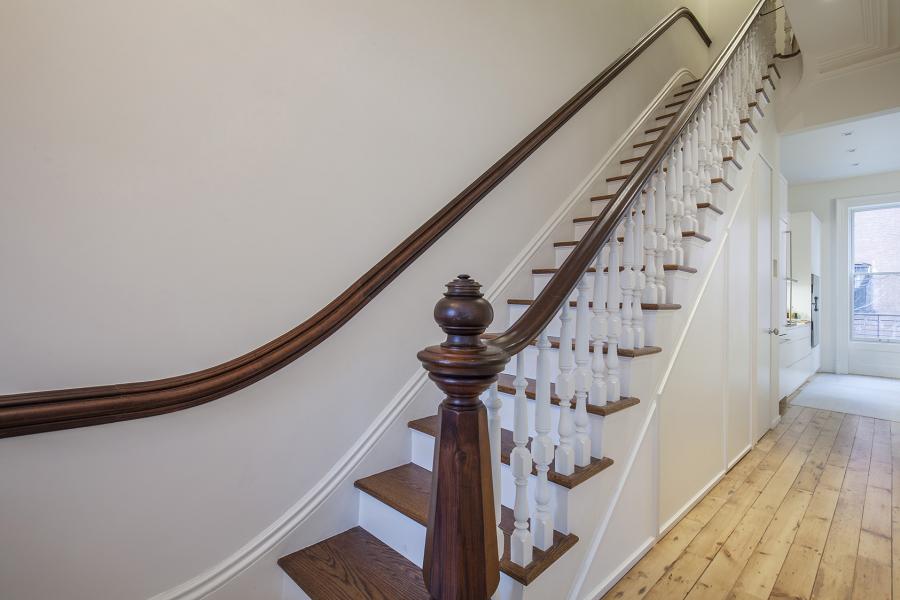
[
  {"x": 35, "y": 412},
  {"x": 466, "y": 364}
]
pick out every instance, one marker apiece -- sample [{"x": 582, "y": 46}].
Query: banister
[
  {"x": 563, "y": 282},
  {"x": 460, "y": 561},
  {"x": 35, "y": 412}
]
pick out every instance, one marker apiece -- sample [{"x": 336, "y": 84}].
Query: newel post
[{"x": 461, "y": 555}]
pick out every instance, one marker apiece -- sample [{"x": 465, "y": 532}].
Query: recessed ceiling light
[
  {"x": 854, "y": 165},
  {"x": 846, "y": 133},
  {"x": 851, "y": 149}
]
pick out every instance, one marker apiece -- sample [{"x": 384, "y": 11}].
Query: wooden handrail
[
  {"x": 34, "y": 412},
  {"x": 460, "y": 559},
  {"x": 561, "y": 285}
]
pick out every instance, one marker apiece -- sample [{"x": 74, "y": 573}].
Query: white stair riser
[
  {"x": 626, "y": 168},
  {"x": 693, "y": 250},
  {"x": 613, "y": 186},
  {"x": 597, "y": 206},
  {"x": 640, "y": 150},
  {"x": 408, "y": 538},
  {"x": 423, "y": 455}
]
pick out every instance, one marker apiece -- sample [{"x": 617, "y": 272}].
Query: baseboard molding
[
  {"x": 690, "y": 504},
  {"x": 219, "y": 575},
  {"x": 623, "y": 568},
  {"x": 600, "y": 531},
  {"x": 738, "y": 458}
]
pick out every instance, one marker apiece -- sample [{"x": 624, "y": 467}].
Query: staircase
[{"x": 556, "y": 417}]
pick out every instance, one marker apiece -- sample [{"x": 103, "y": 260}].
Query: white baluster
[
  {"x": 493, "y": 405},
  {"x": 679, "y": 201},
  {"x": 614, "y": 323},
  {"x": 599, "y": 329},
  {"x": 671, "y": 208},
  {"x": 565, "y": 390},
  {"x": 521, "y": 542},
  {"x": 542, "y": 446},
  {"x": 640, "y": 278},
  {"x": 583, "y": 373},
  {"x": 627, "y": 281},
  {"x": 662, "y": 242},
  {"x": 650, "y": 294}
]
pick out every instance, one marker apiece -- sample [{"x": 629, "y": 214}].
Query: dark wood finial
[
  {"x": 461, "y": 555},
  {"x": 463, "y": 313}
]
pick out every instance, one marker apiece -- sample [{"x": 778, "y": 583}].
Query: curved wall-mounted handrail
[{"x": 34, "y": 412}]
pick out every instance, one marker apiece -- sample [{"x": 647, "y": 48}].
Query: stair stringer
[{"x": 622, "y": 529}]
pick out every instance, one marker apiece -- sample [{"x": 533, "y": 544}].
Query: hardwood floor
[{"x": 810, "y": 513}]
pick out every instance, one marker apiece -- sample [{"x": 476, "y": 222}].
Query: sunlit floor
[
  {"x": 806, "y": 514},
  {"x": 876, "y": 397}
]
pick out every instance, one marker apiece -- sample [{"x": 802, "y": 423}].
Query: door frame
[{"x": 771, "y": 412}]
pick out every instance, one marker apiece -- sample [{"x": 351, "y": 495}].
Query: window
[{"x": 875, "y": 274}]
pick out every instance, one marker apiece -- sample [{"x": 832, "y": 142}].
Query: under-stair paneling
[
  {"x": 738, "y": 258},
  {"x": 692, "y": 408}
]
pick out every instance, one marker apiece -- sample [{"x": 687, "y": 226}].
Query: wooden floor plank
[
  {"x": 895, "y": 509},
  {"x": 727, "y": 564},
  {"x": 638, "y": 581},
  {"x": 688, "y": 568},
  {"x": 810, "y": 512},
  {"x": 834, "y": 578},
  {"x": 759, "y": 575},
  {"x": 872, "y": 577}
]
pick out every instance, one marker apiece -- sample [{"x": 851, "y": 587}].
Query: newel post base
[{"x": 461, "y": 555}]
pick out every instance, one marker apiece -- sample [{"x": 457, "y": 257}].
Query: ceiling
[
  {"x": 836, "y": 35},
  {"x": 824, "y": 153}
]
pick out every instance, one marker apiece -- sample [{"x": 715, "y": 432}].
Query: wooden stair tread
[
  {"x": 770, "y": 80},
  {"x": 762, "y": 90},
  {"x": 354, "y": 565},
  {"x": 602, "y": 197},
  {"x": 622, "y": 352},
  {"x": 574, "y": 304},
  {"x": 506, "y": 384},
  {"x": 749, "y": 121},
  {"x": 631, "y": 160},
  {"x": 715, "y": 180},
  {"x": 734, "y": 161},
  {"x": 683, "y": 92},
  {"x": 676, "y": 103},
  {"x": 696, "y": 234},
  {"x": 617, "y": 178},
  {"x": 774, "y": 67},
  {"x": 711, "y": 207},
  {"x": 682, "y": 268},
  {"x": 740, "y": 138},
  {"x": 407, "y": 489},
  {"x": 429, "y": 426},
  {"x": 694, "y": 82},
  {"x": 642, "y": 144},
  {"x": 666, "y": 116},
  {"x": 655, "y": 129}
]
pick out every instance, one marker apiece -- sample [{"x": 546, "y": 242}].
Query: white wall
[
  {"x": 820, "y": 198},
  {"x": 182, "y": 182}
]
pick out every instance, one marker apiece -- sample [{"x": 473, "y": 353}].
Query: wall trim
[
  {"x": 220, "y": 574},
  {"x": 632, "y": 560}
]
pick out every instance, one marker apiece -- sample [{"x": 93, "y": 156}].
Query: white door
[{"x": 766, "y": 275}]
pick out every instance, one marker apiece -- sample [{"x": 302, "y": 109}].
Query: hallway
[{"x": 806, "y": 514}]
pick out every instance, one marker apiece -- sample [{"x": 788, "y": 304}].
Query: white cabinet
[
  {"x": 798, "y": 359},
  {"x": 805, "y": 260}
]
